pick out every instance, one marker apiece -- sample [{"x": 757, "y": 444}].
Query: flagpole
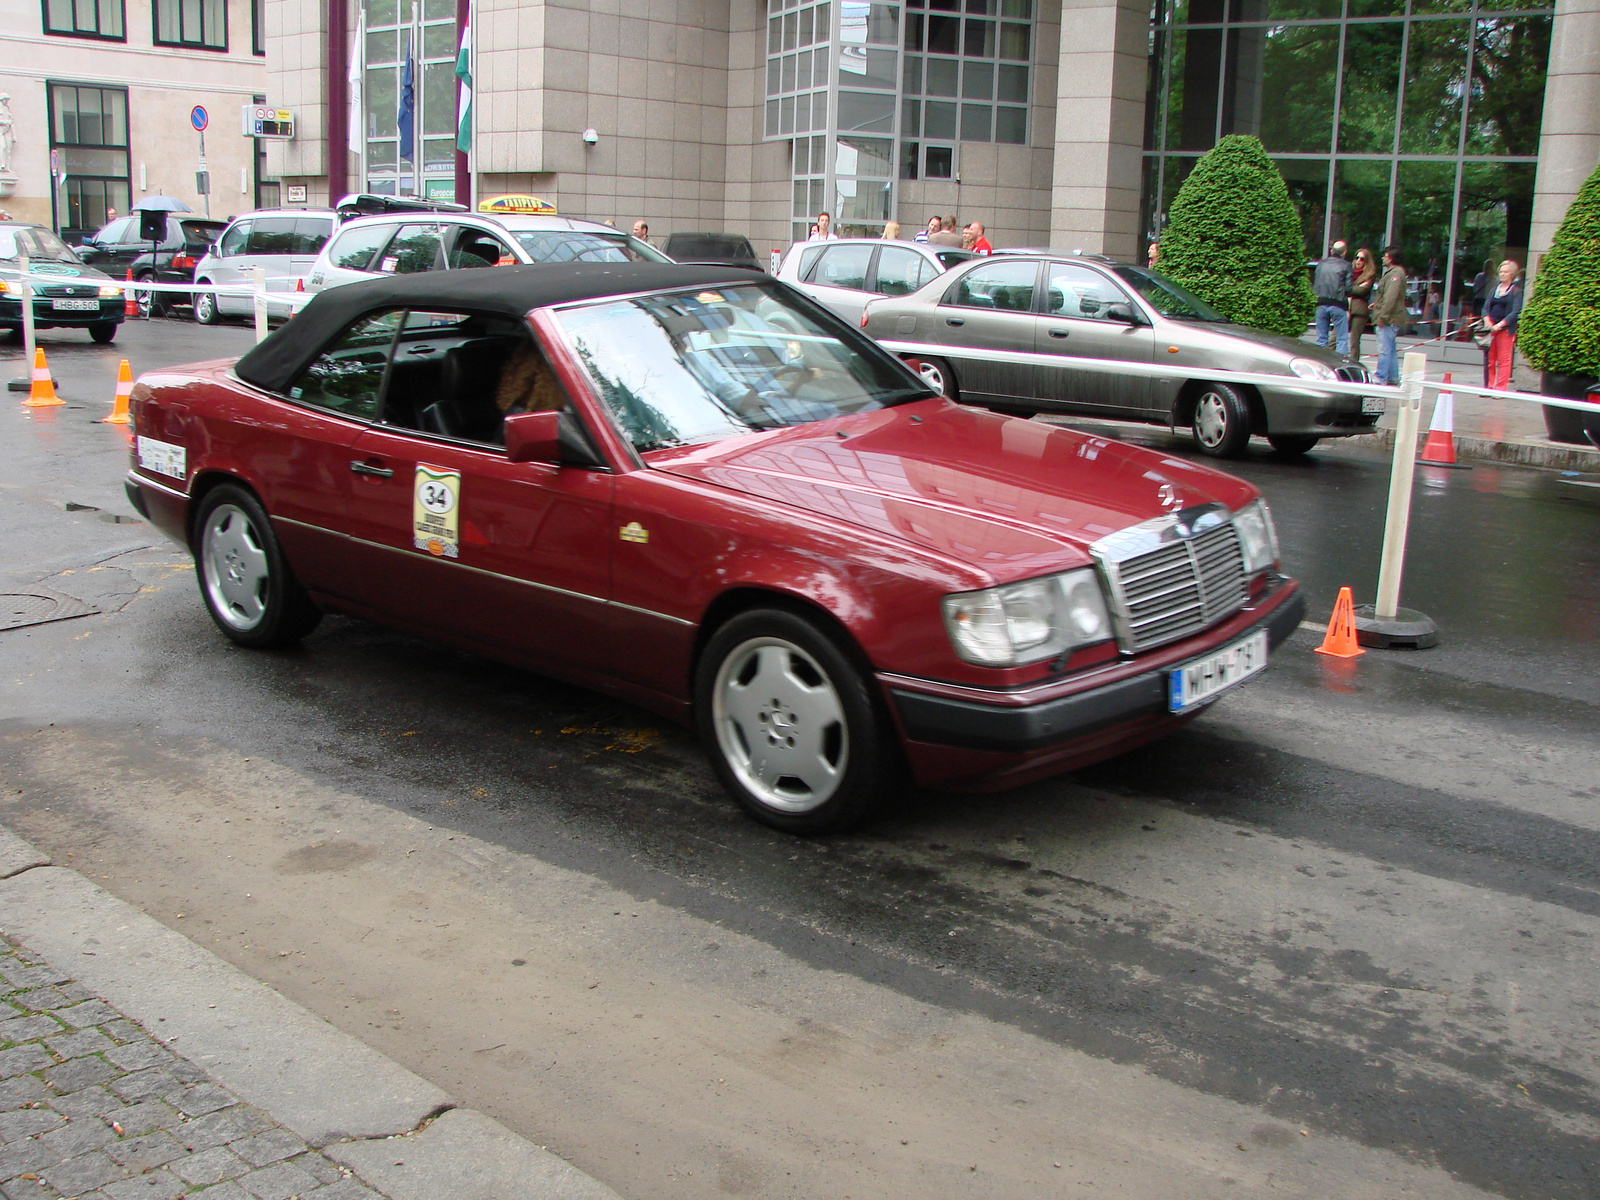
[
  {"x": 356, "y": 80},
  {"x": 463, "y": 160}
]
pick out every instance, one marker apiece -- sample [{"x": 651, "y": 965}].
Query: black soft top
[{"x": 502, "y": 291}]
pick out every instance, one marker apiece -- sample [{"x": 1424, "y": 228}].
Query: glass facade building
[
  {"x": 1407, "y": 122},
  {"x": 415, "y": 38}
]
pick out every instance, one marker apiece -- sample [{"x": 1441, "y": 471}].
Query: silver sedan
[{"x": 1083, "y": 308}]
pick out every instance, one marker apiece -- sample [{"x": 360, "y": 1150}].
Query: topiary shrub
[
  {"x": 1233, "y": 239},
  {"x": 1559, "y": 330}
]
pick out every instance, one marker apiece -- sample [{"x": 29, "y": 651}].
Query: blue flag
[{"x": 406, "y": 118}]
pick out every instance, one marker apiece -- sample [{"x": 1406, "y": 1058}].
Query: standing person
[
  {"x": 1152, "y": 255},
  {"x": 1331, "y": 284},
  {"x": 1389, "y": 313},
  {"x": 1363, "y": 279},
  {"x": 947, "y": 235},
  {"x": 891, "y": 231},
  {"x": 823, "y": 229},
  {"x": 1482, "y": 284},
  {"x": 1500, "y": 313},
  {"x": 973, "y": 239},
  {"x": 641, "y": 231},
  {"x": 933, "y": 227}
]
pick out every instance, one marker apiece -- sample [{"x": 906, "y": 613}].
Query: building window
[
  {"x": 89, "y": 131},
  {"x": 410, "y": 63},
  {"x": 85, "y": 18},
  {"x": 258, "y": 27},
  {"x": 201, "y": 24}
]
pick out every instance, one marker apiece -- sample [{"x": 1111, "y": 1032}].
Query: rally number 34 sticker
[{"x": 436, "y": 511}]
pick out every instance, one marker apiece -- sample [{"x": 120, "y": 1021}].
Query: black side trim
[
  {"x": 963, "y": 723},
  {"x": 136, "y": 498}
]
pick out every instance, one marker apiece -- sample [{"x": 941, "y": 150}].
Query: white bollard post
[
  {"x": 1386, "y": 623},
  {"x": 260, "y": 299},
  {"x": 29, "y": 336}
]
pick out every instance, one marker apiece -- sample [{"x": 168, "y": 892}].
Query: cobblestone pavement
[{"x": 91, "y": 1108}]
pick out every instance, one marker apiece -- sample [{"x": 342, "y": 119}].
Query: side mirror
[
  {"x": 533, "y": 437},
  {"x": 1122, "y": 312}
]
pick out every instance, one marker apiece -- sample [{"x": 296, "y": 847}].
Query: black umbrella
[{"x": 161, "y": 204}]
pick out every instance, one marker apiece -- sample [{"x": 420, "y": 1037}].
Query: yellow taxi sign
[{"x": 517, "y": 204}]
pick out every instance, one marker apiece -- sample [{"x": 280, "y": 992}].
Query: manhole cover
[{"x": 37, "y": 606}]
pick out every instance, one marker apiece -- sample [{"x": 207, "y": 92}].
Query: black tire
[
  {"x": 205, "y": 307},
  {"x": 1293, "y": 443},
  {"x": 845, "y": 760},
  {"x": 937, "y": 374},
  {"x": 245, "y": 581},
  {"x": 104, "y": 332},
  {"x": 1221, "y": 421},
  {"x": 150, "y": 304}
]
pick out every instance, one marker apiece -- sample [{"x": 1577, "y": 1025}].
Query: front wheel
[
  {"x": 205, "y": 307},
  {"x": 791, "y": 724},
  {"x": 1221, "y": 421},
  {"x": 937, "y": 374},
  {"x": 103, "y": 332},
  {"x": 149, "y": 303},
  {"x": 245, "y": 580},
  {"x": 1293, "y": 443}
]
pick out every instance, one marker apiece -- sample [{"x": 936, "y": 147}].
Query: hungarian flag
[{"x": 464, "y": 96}]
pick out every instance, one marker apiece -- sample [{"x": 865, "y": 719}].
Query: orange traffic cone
[
  {"x": 299, "y": 285},
  {"x": 130, "y": 306},
  {"x": 43, "y": 392},
  {"x": 119, "y": 408},
  {"x": 1440, "y": 448},
  {"x": 1340, "y": 641}
]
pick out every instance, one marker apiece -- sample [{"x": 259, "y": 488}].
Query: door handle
[
  {"x": 361, "y": 468},
  {"x": 955, "y": 320},
  {"x": 1059, "y": 333},
  {"x": 423, "y": 350}
]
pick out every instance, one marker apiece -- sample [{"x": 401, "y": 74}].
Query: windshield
[
  {"x": 686, "y": 368},
  {"x": 1167, "y": 298},
  {"x": 572, "y": 245},
  {"x": 40, "y": 245}
]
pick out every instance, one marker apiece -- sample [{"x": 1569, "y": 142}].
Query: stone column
[
  {"x": 1569, "y": 141},
  {"x": 1100, "y": 92}
]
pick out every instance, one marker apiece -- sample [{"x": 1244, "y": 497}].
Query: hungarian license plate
[
  {"x": 75, "y": 305},
  {"x": 1374, "y": 404},
  {"x": 1198, "y": 681}
]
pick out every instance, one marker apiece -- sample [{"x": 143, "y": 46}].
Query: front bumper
[
  {"x": 1009, "y": 737},
  {"x": 1301, "y": 410},
  {"x": 46, "y": 316}
]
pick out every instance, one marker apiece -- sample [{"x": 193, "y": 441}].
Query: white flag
[{"x": 356, "y": 133}]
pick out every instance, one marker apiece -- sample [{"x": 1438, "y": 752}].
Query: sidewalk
[{"x": 135, "y": 1065}]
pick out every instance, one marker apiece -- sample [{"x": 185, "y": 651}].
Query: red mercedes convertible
[{"x": 693, "y": 488}]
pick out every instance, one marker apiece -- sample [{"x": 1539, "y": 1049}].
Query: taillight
[
  {"x": 866, "y": 309},
  {"x": 182, "y": 262}
]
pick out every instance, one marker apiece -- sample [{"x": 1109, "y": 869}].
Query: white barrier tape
[
  {"x": 150, "y": 285},
  {"x": 1291, "y": 383}
]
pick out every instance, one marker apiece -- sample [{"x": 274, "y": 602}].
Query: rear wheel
[
  {"x": 150, "y": 304},
  {"x": 103, "y": 332},
  {"x": 205, "y": 307},
  {"x": 244, "y": 578},
  {"x": 1221, "y": 421},
  {"x": 791, "y": 724},
  {"x": 937, "y": 374},
  {"x": 1293, "y": 443}
]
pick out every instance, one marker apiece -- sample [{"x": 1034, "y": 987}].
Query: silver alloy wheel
[
  {"x": 1211, "y": 419},
  {"x": 205, "y": 307},
  {"x": 932, "y": 375},
  {"x": 780, "y": 724},
  {"x": 144, "y": 299},
  {"x": 235, "y": 567}
]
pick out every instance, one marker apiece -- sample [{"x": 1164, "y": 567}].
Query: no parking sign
[{"x": 198, "y": 118}]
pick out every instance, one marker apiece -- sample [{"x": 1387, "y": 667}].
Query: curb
[
  {"x": 1519, "y": 452},
  {"x": 333, "y": 1091}
]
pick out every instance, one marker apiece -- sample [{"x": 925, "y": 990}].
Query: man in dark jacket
[{"x": 1332, "y": 287}]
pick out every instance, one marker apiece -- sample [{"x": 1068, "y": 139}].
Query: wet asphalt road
[{"x": 1359, "y": 899}]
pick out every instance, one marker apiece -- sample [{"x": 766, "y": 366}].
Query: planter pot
[{"x": 1565, "y": 424}]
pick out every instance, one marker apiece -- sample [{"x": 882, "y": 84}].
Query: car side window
[
  {"x": 475, "y": 248},
  {"x": 272, "y": 235},
  {"x": 901, "y": 271},
  {"x": 808, "y": 260},
  {"x": 1002, "y": 285},
  {"x": 233, "y": 242},
  {"x": 355, "y": 247},
  {"x": 347, "y": 377},
  {"x": 414, "y": 248},
  {"x": 310, "y": 233},
  {"x": 844, "y": 266},
  {"x": 1076, "y": 291},
  {"x": 115, "y": 232}
]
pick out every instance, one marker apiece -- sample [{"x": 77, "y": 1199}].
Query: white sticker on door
[
  {"x": 436, "y": 511},
  {"x": 163, "y": 458}
]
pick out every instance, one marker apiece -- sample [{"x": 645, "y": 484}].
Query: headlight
[
  {"x": 1257, "y": 538},
  {"x": 1028, "y": 621},
  {"x": 1310, "y": 368},
  {"x": 107, "y": 291}
]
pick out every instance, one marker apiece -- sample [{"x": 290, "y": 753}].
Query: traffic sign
[{"x": 198, "y": 118}]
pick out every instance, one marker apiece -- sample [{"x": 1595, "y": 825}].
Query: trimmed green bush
[
  {"x": 1233, "y": 239},
  {"x": 1559, "y": 330}
]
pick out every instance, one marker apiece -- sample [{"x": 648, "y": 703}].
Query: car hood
[
  {"x": 64, "y": 272},
  {"x": 1012, "y": 498}
]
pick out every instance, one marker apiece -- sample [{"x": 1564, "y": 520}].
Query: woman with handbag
[
  {"x": 1500, "y": 312},
  {"x": 1366, "y": 274}
]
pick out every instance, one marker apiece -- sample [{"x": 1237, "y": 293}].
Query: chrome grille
[
  {"x": 1354, "y": 373},
  {"x": 1174, "y": 576}
]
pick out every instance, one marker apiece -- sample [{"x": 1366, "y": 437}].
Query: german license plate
[
  {"x": 75, "y": 305},
  {"x": 1374, "y": 404},
  {"x": 1198, "y": 681}
]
